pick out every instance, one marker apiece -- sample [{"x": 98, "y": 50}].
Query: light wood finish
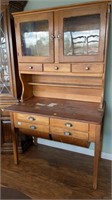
[
  {"x": 34, "y": 119},
  {"x": 69, "y": 133},
  {"x": 32, "y": 17},
  {"x": 63, "y": 92},
  {"x": 31, "y": 67},
  {"x": 71, "y": 125},
  {"x": 57, "y": 68},
  {"x": 87, "y": 68},
  {"x": 67, "y": 85}
]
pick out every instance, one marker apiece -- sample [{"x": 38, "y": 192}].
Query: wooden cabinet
[{"x": 62, "y": 63}]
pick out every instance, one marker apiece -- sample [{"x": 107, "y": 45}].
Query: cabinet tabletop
[{"x": 60, "y": 108}]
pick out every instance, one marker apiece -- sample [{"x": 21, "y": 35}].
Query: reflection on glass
[
  {"x": 4, "y": 72},
  {"x": 35, "y": 38},
  {"x": 81, "y": 35}
]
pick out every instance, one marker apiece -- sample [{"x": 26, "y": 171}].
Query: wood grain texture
[{"x": 55, "y": 174}]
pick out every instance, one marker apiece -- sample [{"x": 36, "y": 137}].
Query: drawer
[
  {"x": 70, "y": 133},
  {"x": 30, "y": 126},
  {"x": 69, "y": 124},
  {"x": 87, "y": 68},
  {"x": 30, "y": 67},
  {"x": 57, "y": 68},
  {"x": 34, "y": 119}
]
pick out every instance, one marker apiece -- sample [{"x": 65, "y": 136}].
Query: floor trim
[{"x": 73, "y": 148}]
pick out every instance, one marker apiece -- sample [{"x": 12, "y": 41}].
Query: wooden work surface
[{"x": 78, "y": 110}]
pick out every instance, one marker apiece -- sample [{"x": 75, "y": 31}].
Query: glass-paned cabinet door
[
  {"x": 82, "y": 34},
  {"x": 35, "y": 38},
  {"x": 5, "y": 85}
]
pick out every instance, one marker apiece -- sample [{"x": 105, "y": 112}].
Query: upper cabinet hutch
[{"x": 62, "y": 59}]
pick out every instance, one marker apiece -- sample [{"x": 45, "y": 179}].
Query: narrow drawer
[
  {"x": 70, "y": 125},
  {"x": 34, "y": 119},
  {"x": 30, "y": 126},
  {"x": 71, "y": 133},
  {"x": 30, "y": 67},
  {"x": 57, "y": 68},
  {"x": 87, "y": 68}
]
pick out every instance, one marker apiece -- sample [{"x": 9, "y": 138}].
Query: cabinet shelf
[
  {"x": 65, "y": 74},
  {"x": 64, "y": 85}
]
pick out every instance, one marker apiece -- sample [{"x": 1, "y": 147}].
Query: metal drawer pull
[
  {"x": 19, "y": 123},
  {"x": 67, "y": 133},
  {"x": 68, "y": 125},
  {"x": 33, "y": 127},
  {"x": 30, "y": 67},
  {"x": 31, "y": 118},
  {"x": 56, "y": 67}
]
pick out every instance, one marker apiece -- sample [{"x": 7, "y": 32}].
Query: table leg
[
  {"x": 14, "y": 140},
  {"x": 96, "y": 156}
]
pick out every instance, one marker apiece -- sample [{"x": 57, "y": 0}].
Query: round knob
[
  {"x": 87, "y": 68},
  {"x": 56, "y": 67},
  {"x": 30, "y": 67}
]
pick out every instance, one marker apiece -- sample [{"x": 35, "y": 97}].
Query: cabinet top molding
[{"x": 61, "y": 7}]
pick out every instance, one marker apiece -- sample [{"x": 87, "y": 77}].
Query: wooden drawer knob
[
  {"x": 68, "y": 125},
  {"x": 56, "y": 67},
  {"x": 30, "y": 67},
  {"x": 67, "y": 133},
  {"x": 87, "y": 68}
]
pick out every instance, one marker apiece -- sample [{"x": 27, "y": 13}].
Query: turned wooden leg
[
  {"x": 14, "y": 140},
  {"x": 97, "y": 156}
]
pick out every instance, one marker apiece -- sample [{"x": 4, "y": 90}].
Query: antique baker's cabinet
[{"x": 62, "y": 60}]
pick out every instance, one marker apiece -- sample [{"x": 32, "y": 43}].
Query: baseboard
[{"x": 73, "y": 148}]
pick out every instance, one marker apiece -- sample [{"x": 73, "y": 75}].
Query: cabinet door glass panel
[
  {"x": 4, "y": 68},
  {"x": 81, "y": 35},
  {"x": 35, "y": 38}
]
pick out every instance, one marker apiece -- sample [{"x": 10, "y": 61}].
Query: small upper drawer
[
  {"x": 69, "y": 124},
  {"x": 87, "y": 68},
  {"x": 30, "y": 67},
  {"x": 34, "y": 119},
  {"x": 57, "y": 68}
]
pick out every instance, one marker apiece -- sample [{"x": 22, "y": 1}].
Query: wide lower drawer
[
  {"x": 57, "y": 68},
  {"x": 30, "y": 126},
  {"x": 34, "y": 119},
  {"x": 69, "y": 124},
  {"x": 72, "y": 133}
]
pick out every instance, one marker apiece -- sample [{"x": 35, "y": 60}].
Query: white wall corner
[{"x": 72, "y": 148}]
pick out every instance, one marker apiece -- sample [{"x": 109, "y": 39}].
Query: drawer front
[
  {"x": 34, "y": 119},
  {"x": 30, "y": 67},
  {"x": 30, "y": 126},
  {"x": 70, "y": 133},
  {"x": 70, "y": 125},
  {"x": 57, "y": 68},
  {"x": 87, "y": 68}
]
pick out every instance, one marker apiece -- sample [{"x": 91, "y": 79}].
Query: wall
[{"x": 107, "y": 129}]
